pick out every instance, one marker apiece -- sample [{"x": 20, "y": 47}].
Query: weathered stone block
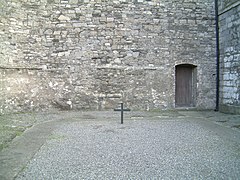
[
  {"x": 73, "y": 1},
  {"x": 63, "y": 18}
]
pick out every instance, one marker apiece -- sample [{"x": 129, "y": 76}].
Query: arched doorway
[{"x": 185, "y": 85}]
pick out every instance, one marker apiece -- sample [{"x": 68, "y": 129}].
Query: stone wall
[
  {"x": 85, "y": 54},
  {"x": 229, "y": 24}
]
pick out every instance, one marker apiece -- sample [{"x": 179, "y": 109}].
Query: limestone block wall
[
  {"x": 92, "y": 54},
  {"x": 229, "y": 23}
]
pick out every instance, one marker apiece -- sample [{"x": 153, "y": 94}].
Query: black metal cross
[{"x": 122, "y": 111}]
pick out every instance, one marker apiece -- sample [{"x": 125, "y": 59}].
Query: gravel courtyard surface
[{"x": 178, "y": 146}]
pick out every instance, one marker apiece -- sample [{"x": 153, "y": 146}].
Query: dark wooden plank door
[{"x": 183, "y": 94}]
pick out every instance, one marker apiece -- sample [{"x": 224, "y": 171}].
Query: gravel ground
[{"x": 172, "y": 148}]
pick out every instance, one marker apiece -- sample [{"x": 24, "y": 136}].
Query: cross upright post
[{"x": 121, "y": 113}]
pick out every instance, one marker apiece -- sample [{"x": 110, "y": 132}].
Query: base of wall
[{"x": 229, "y": 109}]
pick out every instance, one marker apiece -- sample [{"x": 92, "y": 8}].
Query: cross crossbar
[{"x": 122, "y": 109}]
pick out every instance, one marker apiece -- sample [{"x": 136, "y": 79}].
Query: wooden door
[{"x": 184, "y": 86}]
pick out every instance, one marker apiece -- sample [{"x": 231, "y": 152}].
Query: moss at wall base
[{"x": 229, "y": 109}]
